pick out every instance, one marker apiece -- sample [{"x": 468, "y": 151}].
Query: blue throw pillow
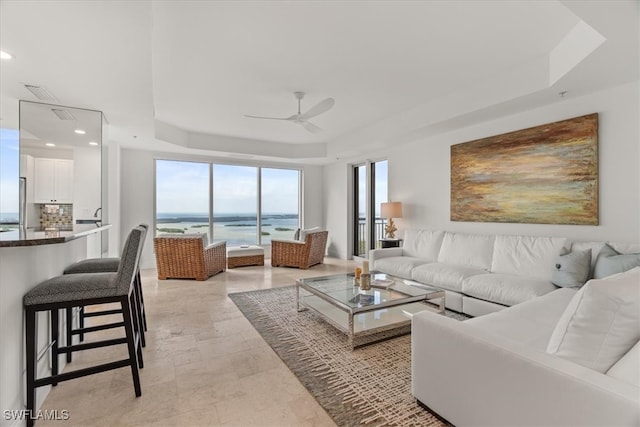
[
  {"x": 572, "y": 269},
  {"x": 611, "y": 262}
]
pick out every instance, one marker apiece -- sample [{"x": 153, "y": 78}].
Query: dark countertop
[{"x": 35, "y": 237}]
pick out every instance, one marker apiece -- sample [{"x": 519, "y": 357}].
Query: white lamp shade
[{"x": 391, "y": 210}]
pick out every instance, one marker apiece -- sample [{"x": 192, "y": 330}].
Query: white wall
[
  {"x": 137, "y": 198},
  {"x": 419, "y": 173}
]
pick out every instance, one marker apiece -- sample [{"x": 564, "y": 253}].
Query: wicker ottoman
[{"x": 241, "y": 256}]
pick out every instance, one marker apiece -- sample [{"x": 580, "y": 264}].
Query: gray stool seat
[
  {"x": 94, "y": 265},
  {"x": 73, "y": 287}
]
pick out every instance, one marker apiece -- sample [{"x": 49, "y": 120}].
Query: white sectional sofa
[
  {"x": 479, "y": 273},
  {"x": 496, "y": 370}
]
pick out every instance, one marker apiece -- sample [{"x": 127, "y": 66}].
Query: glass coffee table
[{"x": 372, "y": 315}]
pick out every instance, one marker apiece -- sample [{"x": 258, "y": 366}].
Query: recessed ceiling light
[
  {"x": 93, "y": 143},
  {"x": 80, "y": 131},
  {"x": 5, "y": 55},
  {"x": 50, "y": 144}
]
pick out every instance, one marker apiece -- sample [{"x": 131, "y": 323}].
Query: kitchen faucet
[{"x": 95, "y": 214}]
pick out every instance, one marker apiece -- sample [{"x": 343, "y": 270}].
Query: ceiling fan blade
[
  {"x": 268, "y": 118},
  {"x": 310, "y": 127},
  {"x": 319, "y": 108}
]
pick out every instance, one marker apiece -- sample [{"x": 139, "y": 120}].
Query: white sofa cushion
[
  {"x": 422, "y": 244},
  {"x": 601, "y": 323},
  {"x": 444, "y": 276},
  {"x": 399, "y": 266},
  {"x": 506, "y": 289},
  {"x": 466, "y": 249},
  {"x": 531, "y": 323},
  {"x": 628, "y": 367},
  {"x": 529, "y": 256}
]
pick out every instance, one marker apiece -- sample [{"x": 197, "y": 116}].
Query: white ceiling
[{"x": 181, "y": 75}]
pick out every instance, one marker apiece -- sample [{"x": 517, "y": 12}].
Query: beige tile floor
[{"x": 205, "y": 365}]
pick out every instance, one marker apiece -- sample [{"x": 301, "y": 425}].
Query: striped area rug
[{"x": 370, "y": 385}]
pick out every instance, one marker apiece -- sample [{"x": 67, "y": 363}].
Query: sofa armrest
[
  {"x": 470, "y": 376},
  {"x": 383, "y": 253}
]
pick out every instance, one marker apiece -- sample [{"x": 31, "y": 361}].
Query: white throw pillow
[
  {"x": 601, "y": 323},
  {"x": 627, "y": 369}
]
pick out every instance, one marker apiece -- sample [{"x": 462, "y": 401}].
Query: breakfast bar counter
[
  {"x": 27, "y": 258},
  {"x": 37, "y": 236}
]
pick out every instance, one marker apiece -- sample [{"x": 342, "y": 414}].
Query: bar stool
[
  {"x": 104, "y": 265},
  {"x": 80, "y": 290}
]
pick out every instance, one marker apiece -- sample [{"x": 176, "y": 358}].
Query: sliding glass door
[{"x": 370, "y": 191}]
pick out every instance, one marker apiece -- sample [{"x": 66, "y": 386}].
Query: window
[
  {"x": 280, "y": 203},
  {"x": 9, "y": 178},
  {"x": 235, "y": 204},
  {"x": 182, "y": 197},
  {"x": 187, "y": 202},
  {"x": 370, "y": 191}
]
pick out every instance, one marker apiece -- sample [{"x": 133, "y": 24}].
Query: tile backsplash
[{"x": 59, "y": 216}]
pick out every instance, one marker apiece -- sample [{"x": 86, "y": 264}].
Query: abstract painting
[{"x": 546, "y": 174}]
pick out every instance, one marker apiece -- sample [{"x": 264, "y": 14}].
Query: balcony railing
[{"x": 362, "y": 232}]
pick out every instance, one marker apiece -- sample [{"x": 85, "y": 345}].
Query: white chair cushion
[
  {"x": 466, "y": 249},
  {"x": 399, "y": 266},
  {"x": 601, "y": 323},
  {"x": 303, "y": 233},
  {"x": 528, "y": 256},
  {"x": 444, "y": 276},
  {"x": 505, "y": 289},
  {"x": 628, "y": 367},
  {"x": 422, "y": 244}
]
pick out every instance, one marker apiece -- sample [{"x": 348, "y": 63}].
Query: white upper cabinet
[{"x": 53, "y": 181}]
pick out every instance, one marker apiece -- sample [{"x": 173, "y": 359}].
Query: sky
[
  {"x": 183, "y": 187},
  {"x": 9, "y": 171}
]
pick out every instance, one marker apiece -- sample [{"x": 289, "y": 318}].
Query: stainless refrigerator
[{"x": 23, "y": 203}]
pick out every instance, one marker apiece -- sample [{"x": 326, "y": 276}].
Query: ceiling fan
[{"x": 303, "y": 119}]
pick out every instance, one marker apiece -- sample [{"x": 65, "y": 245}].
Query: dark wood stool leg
[
  {"x": 131, "y": 343},
  {"x": 55, "y": 337},
  {"x": 144, "y": 312},
  {"x": 137, "y": 328},
  {"x": 31, "y": 340},
  {"x": 69, "y": 311},
  {"x": 138, "y": 312},
  {"x": 81, "y": 323}
]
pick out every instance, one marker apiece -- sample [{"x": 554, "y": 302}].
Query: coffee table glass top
[{"x": 384, "y": 289}]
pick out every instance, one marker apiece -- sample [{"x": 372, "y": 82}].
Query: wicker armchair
[
  {"x": 293, "y": 253},
  {"x": 189, "y": 257}
]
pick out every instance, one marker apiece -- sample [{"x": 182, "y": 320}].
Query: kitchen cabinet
[{"x": 53, "y": 181}]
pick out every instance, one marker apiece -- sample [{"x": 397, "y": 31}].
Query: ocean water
[
  {"x": 236, "y": 229},
  {"x": 9, "y": 217}
]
